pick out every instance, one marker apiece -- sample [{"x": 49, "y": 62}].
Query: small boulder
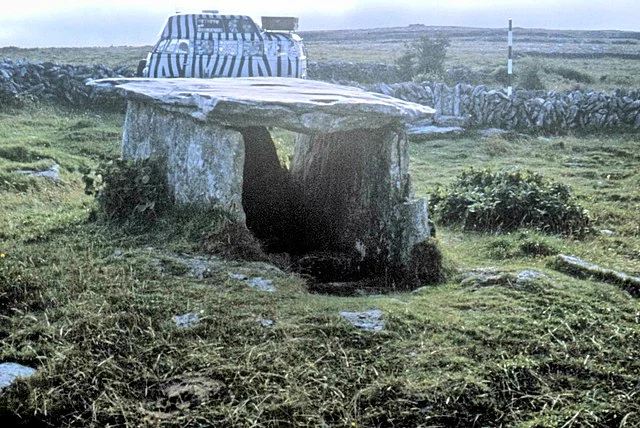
[
  {"x": 368, "y": 320},
  {"x": 10, "y": 371}
]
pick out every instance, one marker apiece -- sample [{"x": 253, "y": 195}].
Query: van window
[
  {"x": 177, "y": 46},
  {"x": 161, "y": 46}
]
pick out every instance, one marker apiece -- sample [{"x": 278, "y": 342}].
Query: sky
[{"x": 38, "y": 23}]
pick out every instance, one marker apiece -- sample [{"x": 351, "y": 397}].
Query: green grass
[
  {"x": 111, "y": 56},
  {"x": 91, "y": 305},
  {"x": 481, "y": 50}
]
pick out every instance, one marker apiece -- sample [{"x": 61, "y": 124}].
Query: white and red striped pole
[{"x": 510, "y": 59}]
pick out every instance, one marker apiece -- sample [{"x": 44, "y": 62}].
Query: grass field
[
  {"x": 609, "y": 59},
  {"x": 92, "y": 305}
]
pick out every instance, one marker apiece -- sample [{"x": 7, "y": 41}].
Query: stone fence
[
  {"x": 480, "y": 106},
  {"x": 60, "y": 83},
  {"x": 537, "y": 111}
]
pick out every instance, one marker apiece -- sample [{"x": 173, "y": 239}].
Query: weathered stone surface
[
  {"x": 529, "y": 276},
  {"x": 490, "y": 276},
  {"x": 578, "y": 267},
  {"x": 359, "y": 204},
  {"x": 203, "y": 161},
  {"x": 10, "y": 371},
  {"x": 52, "y": 173},
  {"x": 305, "y": 106},
  {"x": 187, "y": 320},
  {"x": 367, "y": 320},
  {"x": 257, "y": 283},
  {"x": 261, "y": 284},
  {"x": 432, "y": 131},
  {"x": 266, "y": 322}
]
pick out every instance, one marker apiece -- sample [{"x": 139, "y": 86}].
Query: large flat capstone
[{"x": 300, "y": 105}]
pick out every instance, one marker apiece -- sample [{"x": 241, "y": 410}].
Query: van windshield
[{"x": 173, "y": 46}]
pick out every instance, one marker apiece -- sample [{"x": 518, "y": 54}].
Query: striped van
[{"x": 212, "y": 45}]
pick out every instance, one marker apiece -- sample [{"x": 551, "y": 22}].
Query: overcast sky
[{"x": 31, "y": 23}]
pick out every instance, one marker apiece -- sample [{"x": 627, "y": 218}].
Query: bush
[
  {"x": 129, "y": 190},
  {"x": 423, "y": 56},
  {"x": 571, "y": 74},
  {"x": 501, "y": 75},
  {"x": 529, "y": 78},
  {"x": 506, "y": 200}
]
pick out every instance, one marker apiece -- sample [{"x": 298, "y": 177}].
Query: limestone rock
[
  {"x": 367, "y": 320},
  {"x": 203, "y": 162},
  {"x": 266, "y": 322},
  {"x": 10, "y": 371},
  {"x": 432, "y": 131},
  {"x": 296, "y": 104},
  {"x": 51, "y": 173},
  {"x": 257, "y": 283},
  {"x": 357, "y": 204},
  {"x": 580, "y": 268},
  {"x": 187, "y": 320},
  {"x": 261, "y": 284}
]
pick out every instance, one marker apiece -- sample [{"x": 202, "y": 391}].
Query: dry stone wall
[
  {"x": 481, "y": 106},
  {"x": 61, "y": 83},
  {"x": 531, "y": 111}
]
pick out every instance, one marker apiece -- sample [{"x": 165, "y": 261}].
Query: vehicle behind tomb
[{"x": 210, "y": 44}]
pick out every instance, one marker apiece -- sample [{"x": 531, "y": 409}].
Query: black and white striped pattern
[
  {"x": 510, "y": 59},
  {"x": 235, "y": 47}
]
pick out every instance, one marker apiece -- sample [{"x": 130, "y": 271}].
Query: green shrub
[
  {"x": 128, "y": 190},
  {"x": 501, "y": 75},
  {"x": 529, "y": 77},
  {"x": 571, "y": 74},
  {"x": 425, "y": 55},
  {"x": 506, "y": 200}
]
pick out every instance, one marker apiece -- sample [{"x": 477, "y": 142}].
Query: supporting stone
[
  {"x": 204, "y": 162},
  {"x": 357, "y": 196}
]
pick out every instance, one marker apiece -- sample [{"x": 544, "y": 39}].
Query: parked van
[{"x": 212, "y": 45}]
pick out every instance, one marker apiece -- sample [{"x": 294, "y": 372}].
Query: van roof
[{"x": 188, "y": 25}]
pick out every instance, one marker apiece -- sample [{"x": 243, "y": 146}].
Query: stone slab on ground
[
  {"x": 367, "y": 320},
  {"x": 261, "y": 284},
  {"x": 452, "y": 121},
  {"x": 9, "y": 372},
  {"x": 578, "y": 267},
  {"x": 187, "y": 320},
  {"x": 433, "y": 131},
  {"x": 257, "y": 283},
  {"x": 490, "y": 276},
  {"x": 52, "y": 173}
]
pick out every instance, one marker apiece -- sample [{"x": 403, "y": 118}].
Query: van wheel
[{"x": 141, "y": 65}]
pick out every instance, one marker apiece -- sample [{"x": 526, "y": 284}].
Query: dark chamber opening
[
  {"x": 272, "y": 207},
  {"x": 277, "y": 216}
]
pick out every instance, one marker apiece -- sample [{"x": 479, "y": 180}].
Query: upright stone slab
[
  {"x": 203, "y": 161},
  {"x": 356, "y": 190}
]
